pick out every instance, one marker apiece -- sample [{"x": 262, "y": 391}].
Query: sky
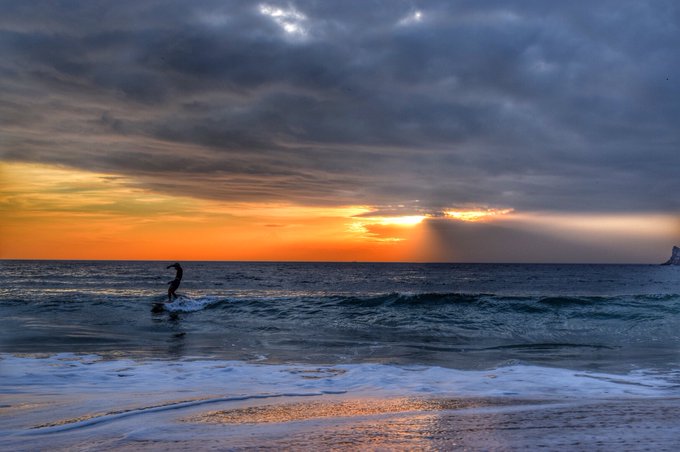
[{"x": 435, "y": 131}]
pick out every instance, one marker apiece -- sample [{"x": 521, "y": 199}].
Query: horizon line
[{"x": 324, "y": 262}]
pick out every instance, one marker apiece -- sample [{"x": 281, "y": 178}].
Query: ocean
[{"x": 86, "y": 362}]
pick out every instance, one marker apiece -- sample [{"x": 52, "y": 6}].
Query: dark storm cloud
[
  {"x": 497, "y": 242},
  {"x": 531, "y": 105}
]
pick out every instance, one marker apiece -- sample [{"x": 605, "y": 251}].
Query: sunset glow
[
  {"x": 57, "y": 212},
  {"x": 64, "y": 213},
  {"x": 407, "y": 220},
  {"x": 221, "y": 217},
  {"x": 314, "y": 130},
  {"x": 475, "y": 215},
  {"x": 384, "y": 228}
]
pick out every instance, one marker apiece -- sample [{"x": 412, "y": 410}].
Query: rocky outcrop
[{"x": 675, "y": 258}]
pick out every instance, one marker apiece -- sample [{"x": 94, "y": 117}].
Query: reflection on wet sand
[
  {"x": 446, "y": 424},
  {"x": 370, "y": 423},
  {"x": 302, "y": 411}
]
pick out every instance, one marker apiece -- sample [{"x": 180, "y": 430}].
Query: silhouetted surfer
[{"x": 174, "y": 284}]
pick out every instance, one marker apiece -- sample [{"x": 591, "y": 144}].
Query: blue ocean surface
[
  {"x": 561, "y": 352},
  {"x": 613, "y": 318}
]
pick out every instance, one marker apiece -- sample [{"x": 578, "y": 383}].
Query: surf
[{"x": 187, "y": 303}]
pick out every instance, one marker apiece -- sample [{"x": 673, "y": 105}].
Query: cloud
[
  {"x": 529, "y": 105},
  {"x": 597, "y": 239}
]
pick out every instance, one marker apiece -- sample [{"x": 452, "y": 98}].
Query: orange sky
[{"x": 59, "y": 213}]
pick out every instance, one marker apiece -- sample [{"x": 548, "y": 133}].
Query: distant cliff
[{"x": 675, "y": 258}]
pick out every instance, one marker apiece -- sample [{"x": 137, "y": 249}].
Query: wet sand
[
  {"x": 345, "y": 423},
  {"x": 470, "y": 424},
  {"x": 304, "y": 411}
]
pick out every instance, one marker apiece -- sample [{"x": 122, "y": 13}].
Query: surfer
[{"x": 174, "y": 284}]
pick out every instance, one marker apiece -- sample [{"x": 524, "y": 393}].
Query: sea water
[{"x": 79, "y": 340}]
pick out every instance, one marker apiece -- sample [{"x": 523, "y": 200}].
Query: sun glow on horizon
[
  {"x": 476, "y": 215},
  {"x": 62, "y": 213},
  {"x": 384, "y": 228},
  {"x": 406, "y": 220},
  {"x": 54, "y": 212}
]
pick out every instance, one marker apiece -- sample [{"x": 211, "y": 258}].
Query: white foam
[
  {"x": 70, "y": 373},
  {"x": 186, "y": 303}
]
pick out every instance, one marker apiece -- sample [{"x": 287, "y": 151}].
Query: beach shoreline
[
  {"x": 331, "y": 422},
  {"x": 84, "y": 402}
]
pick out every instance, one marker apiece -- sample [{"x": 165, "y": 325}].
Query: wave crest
[
  {"x": 407, "y": 301},
  {"x": 185, "y": 303}
]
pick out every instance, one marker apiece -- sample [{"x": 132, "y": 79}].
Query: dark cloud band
[{"x": 529, "y": 105}]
